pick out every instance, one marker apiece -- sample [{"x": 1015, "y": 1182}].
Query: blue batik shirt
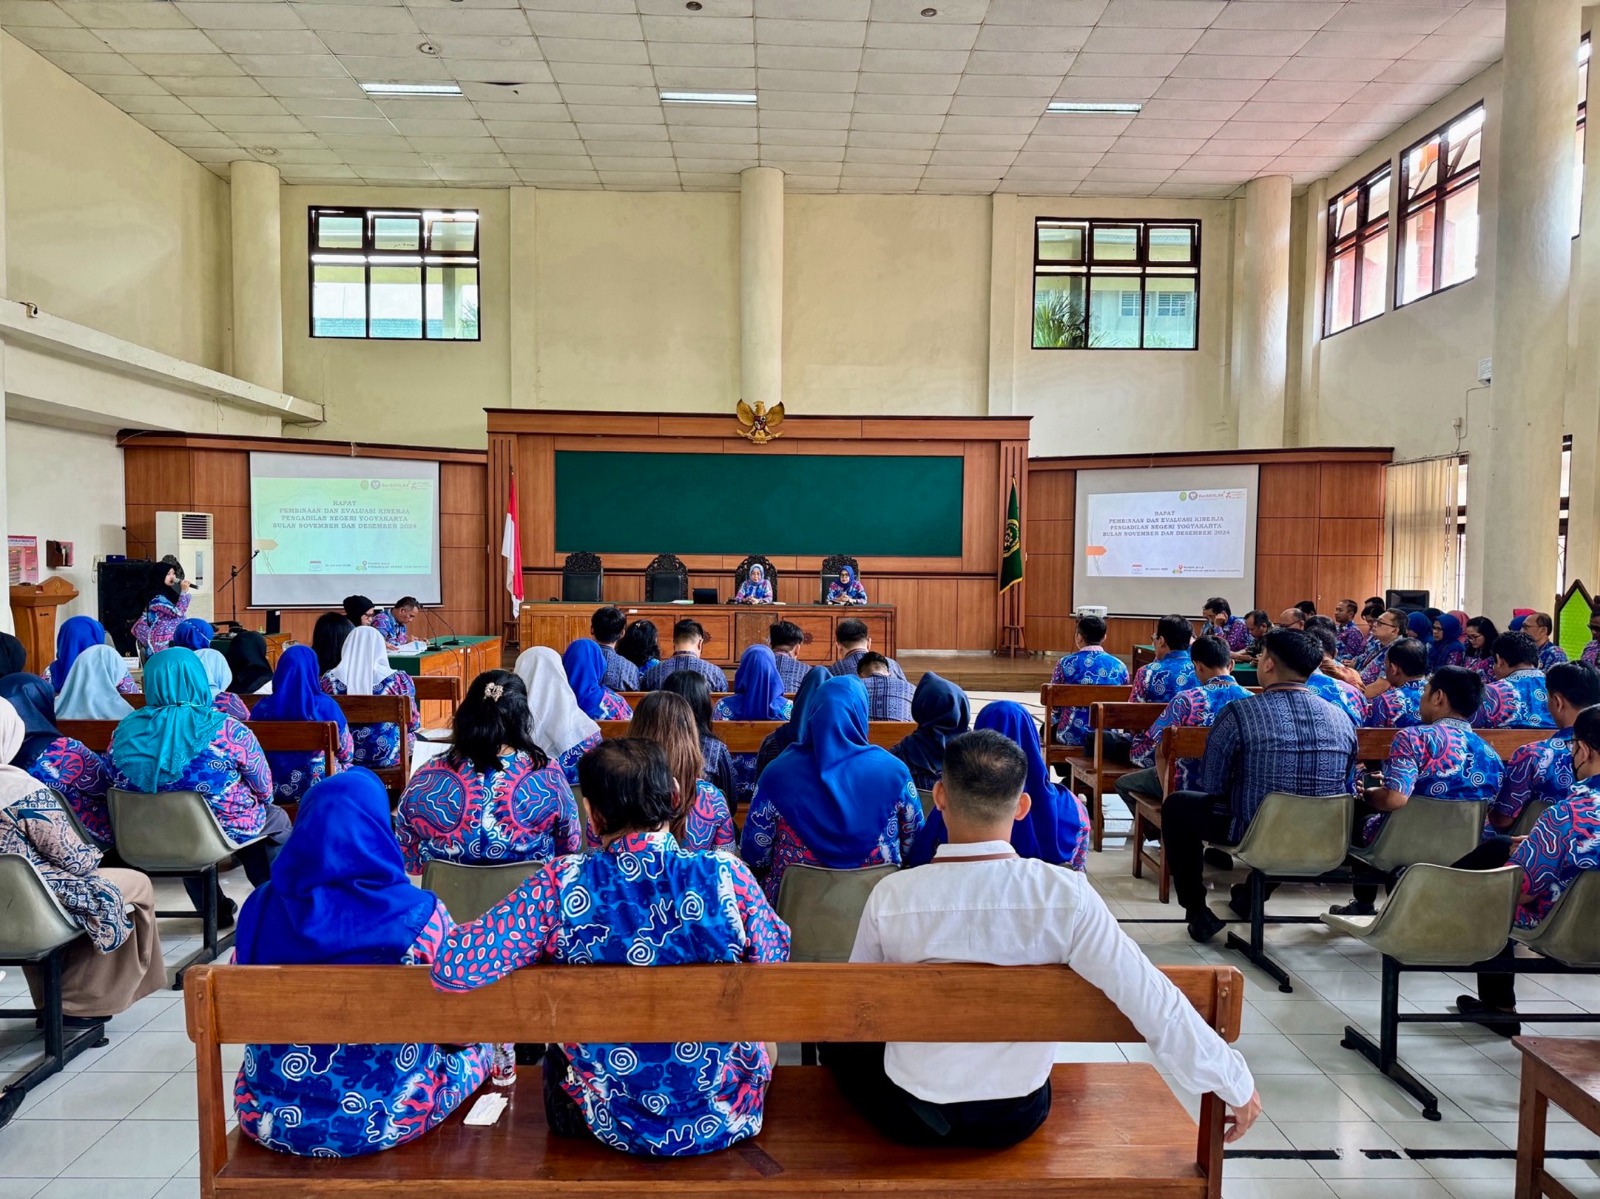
[
  {"x": 1195, "y": 708},
  {"x": 621, "y": 674},
  {"x": 1539, "y": 771},
  {"x": 1518, "y": 701},
  {"x": 1091, "y": 666},
  {"x": 1399, "y": 707},
  {"x": 652, "y": 679},
  {"x": 1340, "y": 694},
  {"x": 1160, "y": 681}
]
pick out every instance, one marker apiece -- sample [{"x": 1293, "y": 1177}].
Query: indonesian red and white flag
[{"x": 511, "y": 551}]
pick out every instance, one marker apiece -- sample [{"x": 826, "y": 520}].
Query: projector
[{"x": 1099, "y": 610}]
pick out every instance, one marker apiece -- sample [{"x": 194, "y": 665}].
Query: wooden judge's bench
[{"x": 730, "y": 628}]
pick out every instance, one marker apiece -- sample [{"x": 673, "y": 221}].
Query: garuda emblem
[{"x": 760, "y": 425}]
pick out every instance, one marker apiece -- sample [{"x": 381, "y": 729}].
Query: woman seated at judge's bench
[
  {"x": 364, "y": 670},
  {"x": 166, "y": 604},
  {"x": 832, "y": 799},
  {"x": 756, "y": 588},
  {"x": 585, "y": 664},
  {"x": 494, "y": 795},
  {"x": 559, "y": 726},
  {"x": 847, "y": 588}
]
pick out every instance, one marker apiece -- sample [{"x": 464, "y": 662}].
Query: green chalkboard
[{"x": 773, "y": 504}]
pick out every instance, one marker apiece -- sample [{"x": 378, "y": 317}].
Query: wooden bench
[
  {"x": 274, "y": 736},
  {"x": 1565, "y": 1071},
  {"x": 1055, "y": 696},
  {"x": 438, "y": 688},
  {"x": 746, "y": 736},
  {"x": 1116, "y": 1128}
]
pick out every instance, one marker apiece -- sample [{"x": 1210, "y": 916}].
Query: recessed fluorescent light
[
  {"x": 708, "y": 97},
  {"x": 1092, "y": 108},
  {"x": 411, "y": 89}
]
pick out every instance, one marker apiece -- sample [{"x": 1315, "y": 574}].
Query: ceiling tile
[
  {"x": 481, "y": 22},
  {"x": 123, "y": 14},
  {"x": 578, "y": 93},
  {"x": 189, "y": 85},
  {"x": 805, "y": 81},
  {"x": 163, "y": 122},
  {"x": 712, "y": 8},
  {"x": 314, "y": 66},
  {"x": 1008, "y": 85},
  {"x": 483, "y": 70},
  {"x": 778, "y": 99},
  {"x": 1071, "y": 125},
  {"x": 987, "y": 142},
  {"x": 606, "y": 74},
  {"x": 870, "y": 83},
  {"x": 1356, "y": 45},
  {"x": 1162, "y": 14},
  {"x": 1389, "y": 18},
  {"x": 1019, "y": 62},
  {"x": 486, "y": 49},
  {"x": 1223, "y": 89},
  {"x": 595, "y": 131},
  {"x": 568, "y": 49},
  {"x": 801, "y": 137},
  {"x": 908, "y": 105},
  {"x": 243, "y": 125},
  {"x": 1159, "y": 130},
  {"x": 990, "y": 126},
  {"x": 1276, "y": 14},
  {"x": 162, "y": 103},
  {"x": 949, "y": 11},
  {"x": 1259, "y": 42},
  {"x": 126, "y": 85},
  {"x": 710, "y": 114},
  {"x": 414, "y": 127},
  {"x": 868, "y": 139},
  {"x": 324, "y": 89},
  {"x": 809, "y": 58},
  {"x": 1041, "y": 161},
  {"x": 1094, "y": 87},
  {"x": 592, "y": 25},
  {"x": 1038, "y": 38},
  {"x": 1109, "y": 39},
  {"x": 1082, "y": 13},
  {"x": 510, "y": 93},
  {"x": 33, "y": 14},
  {"x": 1445, "y": 48},
  {"x": 190, "y": 65},
  {"x": 1228, "y": 66},
  {"x": 927, "y": 62},
  {"x": 1161, "y": 148},
  {"x": 1338, "y": 70},
  {"x": 550, "y": 162},
  {"x": 267, "y": 41},
  {"x": 921, "y": 35},
  {"x": 810, "y": 33},
  {"x": 1475, "y": 22},
  {"x": 996, "y": 106},
  {"x": 780, "y": 119},
  {"x": 356, "y": 18},
  {"x": 215, "y": 14},
  {"x": 55, "y": 37},
  {"x": 894, "y": 122},
  {"x": 733, "y": 79},
  {"x": 157, "y": 41},
  {"x": 728, "y": 135},
  {"x": 1160, "y": 110},
  {"x": 1281, "y": 110},
  {"x": 347, "y": 126},
  {"x": 1443, "y": 74},
  {"x": 1305, "y": 91},
  {"x": 696, "y": 54},
  {"x": 1125, "y": 66}
]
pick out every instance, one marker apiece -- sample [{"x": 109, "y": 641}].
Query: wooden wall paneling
[
  {"x": 1048, "y": 537},
  {"x": 1049, "y": 579},
  {"x": 536, "y": 488},
  {"x": 1346, "y": 577},
  {"x": 1276, "y": 536},
  {"x": 1346, "y": 536},
  {"x": 1050, "y": 635},
  {"x": 160, "y": 471},
  {"x": 495, "y": 485},
  {"x": 1284, "y": 580},
  {"x": 1288, "y": 490},
  {"x": 462, "y": 531},
  {"x": 1052, "y": 494},
  {"x": 1352, "y": 489},
  {"x": 975, "y": 613},
  {"x": 221, "y": 477},
  {"x": 461, "y": 489},
  {"x": 1125, "y": 632},
  {"x": 139, "y": 525}
]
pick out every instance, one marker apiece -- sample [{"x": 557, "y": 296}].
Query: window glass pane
[
  {"x": 1374, "y": 277},
  {"x": 1344, "y": 213},
  {"x": 1061, "y": 243},
  {"x": 1341, "y": 291},
  {"x": 1170, "y": 313},
  {"x": 1116, "y": 243},
  {"x": 1059, "y": 319},
  {"x": 1460, "y": 236},
  {"x": 339, "y": 232},
  {"x": 1378, "y": 198},
  {"x": 1416, "y": 264},
  {"x": 453, "y": 302},
  {"x": 1578, "y": 166},
  {"x": 1108, "y": 328},
  {"x": 1171, "y": 244},
  {"x": 1422, "y": 167},
  {"x": 396, "y": 233},
  {"x": 397, "y": 301},
  {"x": 455, "y": 234},
  {"x": 1466, "y": 141},
  {"x": 338, "y": 299}
]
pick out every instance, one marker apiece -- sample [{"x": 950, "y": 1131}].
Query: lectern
[{"x": 33, "y": 610}]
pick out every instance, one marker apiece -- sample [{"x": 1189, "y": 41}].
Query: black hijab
[
  {"x": 13, "y": 655},
  {"x": 941, "y": 710},
  {"x": 247, "y": 658},
  {"x": 328, "y": 638}
]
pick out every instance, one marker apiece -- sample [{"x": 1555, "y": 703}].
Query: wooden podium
[{"x": 33, "y": 609}]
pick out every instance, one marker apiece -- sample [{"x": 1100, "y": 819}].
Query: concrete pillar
[
  {"x": 1261, "y": 313},
  {"x": 1007, "y": 293},
  {"x": 257, "y": 274},
  {"x": 1513, "y": 481},
  {"x": 761, "y": 285},
  {"x": 523, "y": 325},
  {"x": 1583, "y": 525},
  {"x": 1304, "y": 376}
]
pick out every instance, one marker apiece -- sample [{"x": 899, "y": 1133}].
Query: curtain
[{"x": 1420, "y": 501}]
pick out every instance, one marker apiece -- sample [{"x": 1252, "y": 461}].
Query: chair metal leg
[
  {"x": 1137, "y": 837},
  {"x": 1386, "y": 1054},
  {"x": 212, "y": 945},
  {"x": 1255, "y": 948},
  {"x": 58, "y": 1050}
]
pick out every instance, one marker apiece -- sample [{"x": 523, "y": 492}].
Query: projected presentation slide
[
  {"x": 1197, "y": 533},
  {"x": 323, "y": 527}
]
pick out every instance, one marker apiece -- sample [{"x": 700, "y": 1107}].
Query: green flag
[{"x": 1011, "y": 561}]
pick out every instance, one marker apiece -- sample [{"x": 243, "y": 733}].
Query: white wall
[{"x": 65, "y": 485}]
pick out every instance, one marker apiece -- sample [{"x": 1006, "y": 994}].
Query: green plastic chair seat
[
  {"x": 169, "y": 832},
  {"x": 1528, "y": 817},
  {"x": 823, "y": 908},
  {"x": 84, "y": 834},
  {"x": 468, "y": 891},
  {"x": 1436, "y": 831},
  {"x": 1571, "y": 932},
  {"x": 1297, "y": 836},
  {"x": 1438, "y": 916},
  {"x": 33, "y": 924}
]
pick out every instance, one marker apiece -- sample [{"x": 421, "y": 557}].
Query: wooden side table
[{"x": 1560, "y": 1070}]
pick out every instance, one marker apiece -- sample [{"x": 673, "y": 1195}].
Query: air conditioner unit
[{"x": 187, "y": 537}]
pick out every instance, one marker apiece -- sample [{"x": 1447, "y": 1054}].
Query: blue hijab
[
  {"x": 1439, "y": 652},
  {"x": 585, "y": 664},
  {"x": 153, "y": 745},
  {"x": 833, "y": 787},
  {"x": 1420, "y": 626},
  {"x": 757, "y": 687},
  {"x": 941, "y": 710},
  {"x": 1054, "y": 828},
  {"x": 36, "y": 704},
  {"x": 192, "y": 633},
  {"x": 338, "y": 893},
  {"x": 76, "y": 634},
  {"x": 787, "y": 733},
  {"x": 296, "y": 693}
]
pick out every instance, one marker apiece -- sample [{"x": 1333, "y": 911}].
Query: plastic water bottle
[{"x": 503, "y": 1073}]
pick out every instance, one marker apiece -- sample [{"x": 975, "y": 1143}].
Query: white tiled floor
[{"x": 118, "y": 1123}]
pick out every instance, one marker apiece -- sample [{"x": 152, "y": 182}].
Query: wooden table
[
  {"x": 1563, "y": 1070},
  {"x": 464, "y": 658},
  {"x": 729, "y": 627}
]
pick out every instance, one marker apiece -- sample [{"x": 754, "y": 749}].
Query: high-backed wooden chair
[
  {"x": 742, "y": 572},
  {"x": 666, "y": 579}
]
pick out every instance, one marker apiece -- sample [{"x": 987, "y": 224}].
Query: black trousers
[
  {"x": 1497, "y": 990},
  {"x": 255, "y": 859},
  {"x": 901, "y": 1116},
  {"x": 1188, "y": 820}
]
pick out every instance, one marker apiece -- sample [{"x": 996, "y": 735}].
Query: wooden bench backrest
[
  {"x": 746, "y": 736},
  {"x": 442, "y": 687},
  {"x": 274, "y": 736},
  {"x": 633, "y": 697},
  {"x": 1130, "y": 717},
  {"x": 233, "y": 1005}
]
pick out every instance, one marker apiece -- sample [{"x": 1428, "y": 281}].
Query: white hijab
[
  {"x": 90, "y": 692},
  {"x": 364, "y": 663},
  {"x": 15, "y": 783},
  {"x": 558, "y": 722}
]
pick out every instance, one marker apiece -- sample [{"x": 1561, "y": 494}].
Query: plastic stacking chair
[
  {"x": 1290, "y": 837},
  {"x": 468, "y": 891},
  {"x": 77, "y": 825},
  {"x": 1435, "y": 917},
  {"x": 175, "y": 834},
  {"x": 1528, "y": 817},
  {"x": 1436, "y": 831},
  {"x": 35, "y": 930},
  {"x": 823, "y": 907},
  {"x": 1570, "y": 934}
]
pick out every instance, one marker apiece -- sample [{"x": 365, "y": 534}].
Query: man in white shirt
[{"x": 977, "y": 901}]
